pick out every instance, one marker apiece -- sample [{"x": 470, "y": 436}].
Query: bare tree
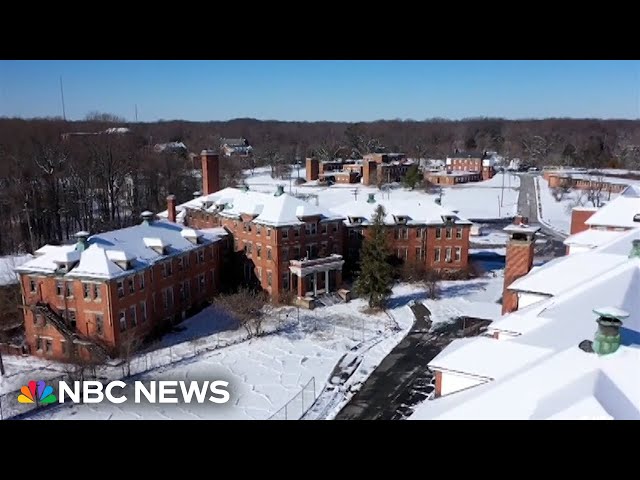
[
  {"x": 595, "y": 190},
  {"x": 248, "y": 307}
]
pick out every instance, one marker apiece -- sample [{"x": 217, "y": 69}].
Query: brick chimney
[
  {"x": 210, "y": 172},
  {"x": 312, "y": 168},
  {"x": 519, "y": 260},
  {"x": 579, "y": 215},
  {"x": 171, "y": 208}
]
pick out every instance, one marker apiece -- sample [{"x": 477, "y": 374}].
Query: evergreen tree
[
  {"x": 413, "y": 177},
  {"x": 376, "y": 273}
]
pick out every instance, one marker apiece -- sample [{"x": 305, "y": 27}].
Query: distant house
[
  {"x": 472, "y": 162},
  {"x": 236, "y": 147},
  {"x": 170, "y": 147}
]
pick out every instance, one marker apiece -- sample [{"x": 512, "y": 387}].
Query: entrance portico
[{"x": 317, "y": 276}]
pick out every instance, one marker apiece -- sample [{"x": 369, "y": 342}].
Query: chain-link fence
[{"x": 295, "y": 408}]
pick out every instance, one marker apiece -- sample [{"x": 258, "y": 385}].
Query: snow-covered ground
[
  {"x": 268, "y": 372},
  {"x": 473, "y": 200},
  {"x": 557, "y": 214},
  {"x": 7, "y": 265}
]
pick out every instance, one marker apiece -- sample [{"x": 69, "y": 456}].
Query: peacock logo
[{"x": 44, "y": 393}]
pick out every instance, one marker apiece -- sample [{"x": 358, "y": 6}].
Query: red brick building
[
  {"x": 108, "y": 291},
  {"x": 291, "y": 246},
  {"x": 471, "y": 162},
  {"x": 452, "y": 178}
]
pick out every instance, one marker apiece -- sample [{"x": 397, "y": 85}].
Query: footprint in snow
[{"x": 304, "y": 359}]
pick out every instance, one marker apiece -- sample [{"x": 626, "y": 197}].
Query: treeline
[{"x": 51, "y": 187}]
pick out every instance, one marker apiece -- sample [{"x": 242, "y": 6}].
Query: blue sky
[{"x": 321, "y": 90}]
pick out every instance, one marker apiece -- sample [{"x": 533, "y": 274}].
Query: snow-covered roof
[
  {"x": 564, "y": 273},
  {"x": 486, "y": 357},
  {"x": 106, "y": 252},
  {"x": 521, "y": 228},
  {"x": 161, "y": 147},
  {"x": 267, "y": 208},
  {"x": 620, "y": 211},
  {"x": 8, "y": 264},
  {"x": 571, "y": 384},
  {"x": 591, "y": 238},
  {"x": 416, "y": 212},
  {"x": 117, "y": 130}
]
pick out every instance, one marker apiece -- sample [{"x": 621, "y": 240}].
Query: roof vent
[
  {"x": 607, "y": 338},
  {"x": 82, "y": 244},
  {"x": 279, "y": 191},
  {"x": 438, "y": 201},
  {"x": 147, "y": 217},
  {"x": 635, "y": 249},
  {"x": 372, "y": 198},
  {"x": 197, "y": 194},
  {"x": 636, "y": 217}
]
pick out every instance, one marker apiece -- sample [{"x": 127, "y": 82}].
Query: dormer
[
  {"x": 194, "y": 236},
  {"x": 449, "y": 219},
  {"x": 157, "y": 245},
  {"x": 355, "y": 220},
  {"x": 401, "y": 219},
  {"x": 206, "y": 204},
  {"x": 121, "y": 258},
  {"x": 636, "y": 217},
  {"x": 65, "y": 261}
]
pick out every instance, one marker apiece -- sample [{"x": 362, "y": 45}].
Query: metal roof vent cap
[
  {"x": 147, "y": 217},
  {"x": 279, "y": 191},
  {"x": 607, "y": 337},
  {"x": 372, "y": 198},
  {"x": 82, "y": 244},
  {"x": 635, "y": 249}
]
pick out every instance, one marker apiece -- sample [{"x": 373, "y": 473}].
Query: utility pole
[
  {"x": 502, "y": 191},
  {"x": 136, "y": 113},
  {"x": 64, "y": 113}
]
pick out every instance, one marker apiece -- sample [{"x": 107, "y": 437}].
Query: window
[
  {"x": 449, "y": 232},
  {"x": 268, "y": 232},
  {"x": 324, "y": 228},
  {"x": 122, "y": 320},
  {"x": 120, "y": 289},
  {"x": 59, "y": 288},
  {"x": 38, "y": 320},
  {"x": 458, "y": 253},
  {"x": 180, "y": 263},
  {"x": 268, "y": 254},
  {"x": 285, "y": 254},
  {"x": 181, "y": 293},
  {"x": 168, "y": 268},
  {"x": 132, "y": 314},
  {"x": 213, "y": 277},
  {"x": 334, "y": 248},
  {"x": 68, "y": 288},
  {"x": 447, "y": 254},
  {"x": 32, "y": 285},
  {"x": 334, "y": 228},
  {"x": 285, "y": 281},
  {"x": 96, "y": 291},
  {"x": 64, "y": 346},
  {"x": 438, "y": 233},
  {"x": 39, "y": 344},
  {"x": 201, "y": 254},
  {"x": 296, "y": 251},
  {"x": 258, "y": 229},
  {"x": 269, "y": 277},
  {"x": 419, "y": 232},
  {"x": 141, "y": 280},
  {"x": 402, "y": 253},
  {"x": 311, "y": 228},
  {"x": 419, "y": 255},
  {"x": 285, "y": 233},
  {"x": 48, "y": 346},
  {"x": 99, "y": 324},
  {"x": 201, "y": 283},
  {"x": 247, "y": 226},
  {"x": 436, "y": 255},
  {"x": 132, "y": 285},
  {"x": 249, "y": 248},
  {"x": 86, "y": 290},
  {"x": 258, "y": 250},
  {"x": 405, "y": 233},
  {"x": 259, "y": 274},
  {"x": 312, "y": 251},
  {"x": 143, "y": 311},
  {"x": 458, "y": 232},
  {"x": 296, "y": 232},
  {"x": 151, "y": 274}
]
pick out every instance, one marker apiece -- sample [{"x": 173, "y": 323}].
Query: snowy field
[
  {"x": 268, "y": 372},
  {"x": 557, "y": 214},
  {"x": 264, "y": 373},
  {"x": 474, "y": 200}
]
